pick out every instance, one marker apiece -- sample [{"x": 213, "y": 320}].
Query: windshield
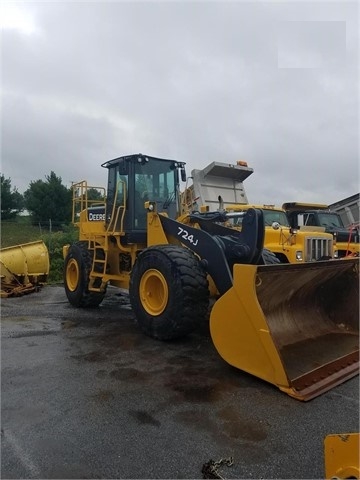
[
  {"x": 155, "y": 181},
  {"x": 330, "y": 220},
  {"x": 278, "y": 216}
]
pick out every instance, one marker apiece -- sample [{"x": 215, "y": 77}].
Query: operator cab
[{"x": 133, "y": 180}]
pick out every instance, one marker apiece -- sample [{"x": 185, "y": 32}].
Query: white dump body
[{"x": 220, "y": 179}]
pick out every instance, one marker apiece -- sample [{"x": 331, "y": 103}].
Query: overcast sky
[{"x": 272, "y": 83}]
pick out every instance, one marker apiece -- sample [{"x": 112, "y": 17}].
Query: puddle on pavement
[
  {"x": 66, "y": 324},
  {"x": 130, "y": 374},
  {"x": 96, "y": 356},
  {"x": 122, "y": 342},
  {"x": 236, "y": 425},
  {"x": 193, "y": 384},
  {"x": 103, "y": 395},
  {"x": 144, "y": 418},
  {"x": 188, "y": 372},
  {"x": 229, "y": 428},
  {"x": 14, "y": 319}
]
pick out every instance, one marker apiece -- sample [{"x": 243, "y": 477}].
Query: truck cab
[
  {"x": 304, "y": 216},
  {"x": 291, "y": 245}
]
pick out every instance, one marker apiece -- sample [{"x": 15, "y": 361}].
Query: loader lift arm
[{"x": 218, "y": 246}]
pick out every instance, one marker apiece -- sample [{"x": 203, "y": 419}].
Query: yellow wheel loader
[{"x": 295, "y": 326}]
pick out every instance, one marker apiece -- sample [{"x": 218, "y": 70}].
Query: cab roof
[{"x": 138, "y": 157}]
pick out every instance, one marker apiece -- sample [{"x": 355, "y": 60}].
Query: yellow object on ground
[
  {"x": 23, "y": 268},
  {"x": 342, "y": 456}
]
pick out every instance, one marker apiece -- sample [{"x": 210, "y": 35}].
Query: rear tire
[
  {"x": 168, "y": 291},
  {"x": 77, "y": 268}
]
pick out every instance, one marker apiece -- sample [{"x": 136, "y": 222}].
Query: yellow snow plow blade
[
  {"x": 23, "y": 267},
  {"x": 296, "y": 326}
]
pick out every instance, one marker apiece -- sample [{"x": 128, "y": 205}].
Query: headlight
[
  {"x": 299, "y": 255},
  {"x": 336, "y": 253}
]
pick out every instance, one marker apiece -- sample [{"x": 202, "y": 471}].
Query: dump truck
[
  {"x": 293, "y": 325},
  {"x": 304, "y": 216},
  {"x": 24, "y": 268},
  {"x": 348, "y": 208},
  {"x": 221, "y": 186}
]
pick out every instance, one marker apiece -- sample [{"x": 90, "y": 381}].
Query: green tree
[
  {"x": 94, "y": 194},
  {"x": 49, "y": 200},
  {"x": 12, "y": 202}
]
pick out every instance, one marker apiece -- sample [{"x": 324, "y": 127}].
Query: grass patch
[{"x": 19, "y": 231}]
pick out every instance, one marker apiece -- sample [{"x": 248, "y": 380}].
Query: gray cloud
[{"x": 273, "y": 83}]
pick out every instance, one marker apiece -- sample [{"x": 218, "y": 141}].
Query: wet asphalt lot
[{"x": 84, "y": 394}]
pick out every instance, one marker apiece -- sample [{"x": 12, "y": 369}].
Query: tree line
[{"x": 43, "y": 200}]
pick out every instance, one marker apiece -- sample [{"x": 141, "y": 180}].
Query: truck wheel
[
  {"x": 168, "y": 291},
  {"x": 268, "y": 257},
  {"x": 77, "y": 268}
]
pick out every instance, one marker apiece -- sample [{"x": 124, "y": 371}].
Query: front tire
[
  {"x": 268, "y": 258},
  {"x": 168, "y": 291},
  {"x": 77, "y": 268}
]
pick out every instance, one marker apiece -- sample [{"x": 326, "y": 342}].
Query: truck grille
[{"x": 318, "y": 248}]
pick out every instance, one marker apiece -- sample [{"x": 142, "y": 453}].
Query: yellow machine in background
[
  {"x": 308, "y": 215},
  {"x": 292, "y": 245},
  {"x": 342, "y": 456},
  {"x": 220, "y": 186},
  {"x": 295, "y": 326},
  {"x": 23, "y": 268}
]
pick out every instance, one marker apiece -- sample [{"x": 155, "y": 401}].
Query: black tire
[
  {"x": 268, "y": 258},
  {"x": 77, "y": 268},
  {"x": 168, "y": 291}
]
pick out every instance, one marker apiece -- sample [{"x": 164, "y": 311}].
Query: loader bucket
[
  {"x": 295, "y": 326},
  {"x": 23, "y": 267}
]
